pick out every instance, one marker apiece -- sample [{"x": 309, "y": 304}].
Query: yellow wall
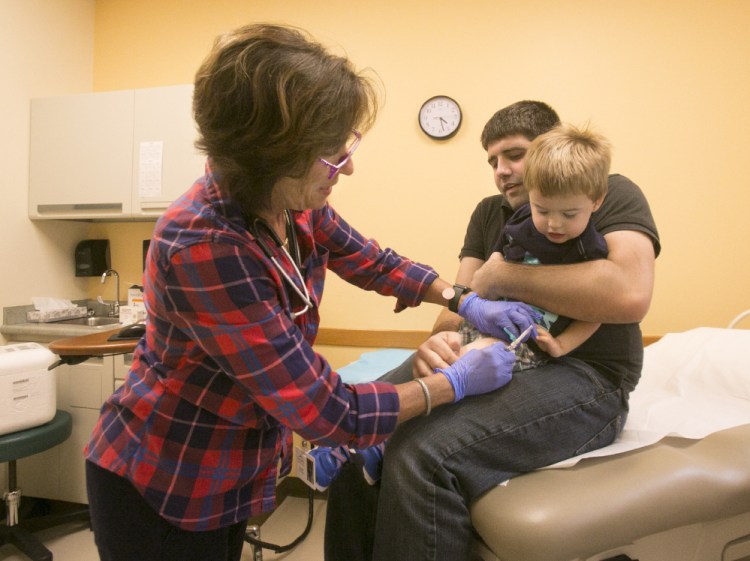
[{"x": 666, "y": 81}]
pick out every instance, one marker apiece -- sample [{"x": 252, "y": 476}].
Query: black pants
[
  {"x": 355, "y": 543},
  {"x": 126, "y": 528}
]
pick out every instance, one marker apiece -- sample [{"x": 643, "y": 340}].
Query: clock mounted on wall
[{"x": 440, "y": 117}]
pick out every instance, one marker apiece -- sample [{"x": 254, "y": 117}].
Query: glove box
[{"x": 27, "y": 389}]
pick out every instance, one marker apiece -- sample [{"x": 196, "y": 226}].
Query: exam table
[
  {"x": 675, "y": 486},
  {"x": 677, "y": 500}
]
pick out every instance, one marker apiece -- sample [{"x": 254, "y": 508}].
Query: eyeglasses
[{"x": 333, "y": 169}]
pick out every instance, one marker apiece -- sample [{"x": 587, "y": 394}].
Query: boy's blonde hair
[{"x": 568, "y": 161}]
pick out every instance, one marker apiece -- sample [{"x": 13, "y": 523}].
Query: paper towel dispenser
[{"x": 92, "y": 258}]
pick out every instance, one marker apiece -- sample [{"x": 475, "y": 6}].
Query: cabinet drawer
[
  {"x": 85, "y": 383},
  {"x": 122, "y": 367}
]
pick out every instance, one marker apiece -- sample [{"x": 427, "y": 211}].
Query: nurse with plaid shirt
[{"x": 189, "y": 447}]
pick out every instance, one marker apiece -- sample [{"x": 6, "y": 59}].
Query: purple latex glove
[
  {"x": 480, "y": 371},
  {"x": 500, "y": 318}
]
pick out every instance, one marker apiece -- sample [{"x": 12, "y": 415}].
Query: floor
[{"x": 76, "y": 542}]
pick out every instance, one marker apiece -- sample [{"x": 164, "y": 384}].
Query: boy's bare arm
[{"x": 574, "y": 336}]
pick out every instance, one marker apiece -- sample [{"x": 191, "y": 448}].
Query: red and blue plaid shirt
[{"x": 223, "y": 375}]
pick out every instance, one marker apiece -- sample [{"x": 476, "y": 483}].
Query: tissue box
[
  {"x": 47, "y": 316},
  {"x": 27, "y": 389}
]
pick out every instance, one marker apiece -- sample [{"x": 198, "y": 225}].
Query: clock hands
[{"x": 442, "y": 121}]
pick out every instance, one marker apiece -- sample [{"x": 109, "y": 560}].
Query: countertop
[
  {"x": 65, "y": 339},
  {"x": 16, "y": 328}
]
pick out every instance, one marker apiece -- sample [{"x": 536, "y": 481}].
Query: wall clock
[{"x": 440, "y": 117}]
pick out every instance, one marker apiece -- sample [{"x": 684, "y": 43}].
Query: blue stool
[{"x": 15, "y": 446}]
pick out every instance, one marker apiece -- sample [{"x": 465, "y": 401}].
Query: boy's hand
[{"x": 548, "y": 343}]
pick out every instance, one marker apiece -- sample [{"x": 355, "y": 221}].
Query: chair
[{"x": 15, "y": 446}]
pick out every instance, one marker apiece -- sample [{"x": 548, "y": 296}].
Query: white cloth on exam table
[{"x": 693, "y": 384}]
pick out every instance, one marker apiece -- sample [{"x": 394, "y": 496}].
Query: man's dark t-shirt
[{"x": 615, "y": 350}]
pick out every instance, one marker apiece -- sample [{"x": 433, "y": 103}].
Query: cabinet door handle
[
  {"x": 154, "y": 206},
  {"x": 79, "y": 210}
]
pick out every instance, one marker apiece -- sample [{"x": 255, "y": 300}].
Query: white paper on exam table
[{"x": 693, "y": 384}]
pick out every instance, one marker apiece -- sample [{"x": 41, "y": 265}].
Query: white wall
[{"x": 46, "y": 49}]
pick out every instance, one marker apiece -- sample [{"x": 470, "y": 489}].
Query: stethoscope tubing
[{"x": 304, "y": 294}]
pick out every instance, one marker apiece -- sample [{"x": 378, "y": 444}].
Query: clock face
[{"x": 440, "y": 117}]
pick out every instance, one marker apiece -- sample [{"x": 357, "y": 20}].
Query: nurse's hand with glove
[
  {"x": 480, "y": 371},
  {"x": 500, "y": 319}
]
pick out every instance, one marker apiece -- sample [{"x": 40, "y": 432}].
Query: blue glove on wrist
[
  {"x": 500, "y": 318},
  {"x": 480, "y": 371}
]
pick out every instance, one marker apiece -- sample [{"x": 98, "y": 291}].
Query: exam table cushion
[
  {"x": 603, "y": 503},
  {"x": 371, "y": 365}
]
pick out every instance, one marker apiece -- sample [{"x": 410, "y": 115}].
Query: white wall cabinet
[
  {"x": 80, "y": 156},
  {"x": 165, "y": 161},
  {"x": 123, "y": 155}
]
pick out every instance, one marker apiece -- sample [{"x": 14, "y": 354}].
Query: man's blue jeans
[{"x": 435, "y": 466}]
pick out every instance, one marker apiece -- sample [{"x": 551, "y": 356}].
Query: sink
[{"x": 96, "y": 321}]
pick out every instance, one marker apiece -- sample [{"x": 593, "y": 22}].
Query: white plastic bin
[{"x": 27, "y": 389}]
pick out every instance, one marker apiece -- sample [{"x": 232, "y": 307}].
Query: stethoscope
[{"x": 296, "y": 261}]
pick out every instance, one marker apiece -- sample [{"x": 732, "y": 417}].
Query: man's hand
[
  {"x": 486, "y": 279},
  {"x": 439, "y": 351}
]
